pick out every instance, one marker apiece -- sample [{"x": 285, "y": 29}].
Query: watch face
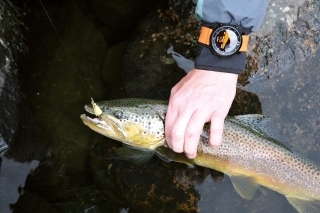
[{"x": 226, "y": 41}]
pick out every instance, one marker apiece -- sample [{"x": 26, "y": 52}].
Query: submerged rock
[{"x": 11, "y": 43}]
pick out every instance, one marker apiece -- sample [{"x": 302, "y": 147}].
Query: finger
[
  {"x": 171, "y": 117},
  {"x": 192, "y": 134},
  {"x": 178, "y": 131},
  {"x": 216, "y": 131}
]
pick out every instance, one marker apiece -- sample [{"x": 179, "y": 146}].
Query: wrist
[
  {"x": 215, "y": 76},
  {"x": 222, "y": 48}
]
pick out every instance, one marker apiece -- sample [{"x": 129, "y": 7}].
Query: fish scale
[{"x": 249, "y": 152}]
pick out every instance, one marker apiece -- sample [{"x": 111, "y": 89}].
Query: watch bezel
[{"x": 214, "y": 43}]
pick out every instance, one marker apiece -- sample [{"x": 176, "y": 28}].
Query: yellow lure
[{"x": 96, "y": 108}]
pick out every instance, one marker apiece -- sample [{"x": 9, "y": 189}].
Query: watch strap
[
  {"x": 205, "y": 60},
  {"x": 205, "y": 35}
]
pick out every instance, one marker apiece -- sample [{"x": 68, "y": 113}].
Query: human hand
[{"x": 201, "y": 96}]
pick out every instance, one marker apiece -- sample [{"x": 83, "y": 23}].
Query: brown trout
[{"x": 248, "y": 154}]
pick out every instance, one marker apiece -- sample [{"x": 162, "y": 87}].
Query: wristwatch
[{"x": 225, "y": 40}]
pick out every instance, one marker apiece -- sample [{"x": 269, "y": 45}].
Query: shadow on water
[{"x": 62, "y": 166}]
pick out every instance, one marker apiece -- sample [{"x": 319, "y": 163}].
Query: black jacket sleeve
[{"x": 245, "y": 13}]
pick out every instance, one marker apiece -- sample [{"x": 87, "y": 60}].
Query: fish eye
[{"x": 118, "y": 114}]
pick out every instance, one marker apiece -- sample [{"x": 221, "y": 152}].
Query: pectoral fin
[
  {"x": 168, "y": 155},
  {"x": 304, "y": 205},
  {"x": 136, "y": 156},
  {"x": 246, "y": 187}
]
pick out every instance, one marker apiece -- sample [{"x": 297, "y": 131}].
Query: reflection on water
[
  {"x": 75, "y": 172},
  {"x": 221, "y": 197},
  {"x": 12, "y": 180}
]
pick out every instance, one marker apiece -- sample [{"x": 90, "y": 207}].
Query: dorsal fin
[{"x": 259, "y": 124}]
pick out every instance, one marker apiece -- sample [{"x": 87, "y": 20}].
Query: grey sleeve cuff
[
  {"x": 246, "y": 13},
  {"x": 207, "y": 60}
]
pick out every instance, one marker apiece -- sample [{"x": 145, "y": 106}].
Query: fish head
[{"x": 135, "y": 122}]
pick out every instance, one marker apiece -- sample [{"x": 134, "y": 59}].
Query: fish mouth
[
  {"x": 95, "y": 124},
  {"x": 95, "y": 121},
  {"x": 104, "y": 124},
  {"x": 89, "y": 109},
  {"x": 92, "y": 121}
]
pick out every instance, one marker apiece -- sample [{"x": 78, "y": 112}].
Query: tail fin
[{"x": 305, "y": 205}]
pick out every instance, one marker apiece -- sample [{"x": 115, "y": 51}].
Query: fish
[{"x": 249, "y": 154}]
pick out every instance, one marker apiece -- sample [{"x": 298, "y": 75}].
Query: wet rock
[
  {"x": 292, "y": 39},
  {"x": 279, "y": 10},
  {"x": 216, "y": 176},
  {"x": 121, "y": 16},
  {"x": 118, "y": 14},
  {"x": 145, "y": 188},
  {"x": 33, "y": 203},
  {"x": 190, "y": 177},
  {"x": 11, "y": 44},
  {"x": 146, "y": 69},
  {"x": 245, "y": 103},
  {"x": 111, "y": 62},
  {"x": 184, "y": 7}
]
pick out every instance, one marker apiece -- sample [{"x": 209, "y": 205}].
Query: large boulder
[{"x": 11, "y": 44}]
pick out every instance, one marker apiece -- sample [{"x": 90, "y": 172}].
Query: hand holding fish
[{"x": 201, "y": 96}]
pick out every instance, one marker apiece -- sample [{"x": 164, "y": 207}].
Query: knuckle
[
  {"x": 177, "y": 136},
  {"x": 214, "y": 131},
  {"x": 175, "y": 103},
  {"x": 216, "y": 127},
  {"x": 173, "y": 90},
  {"x": 192, "y": 131},
  {"x": 177, "y": 133}
]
